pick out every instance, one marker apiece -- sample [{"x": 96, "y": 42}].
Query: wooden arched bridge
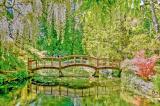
[{"x": 70, "y": 61}]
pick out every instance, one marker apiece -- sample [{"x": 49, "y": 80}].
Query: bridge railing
[{"x": 59, "y": 62}]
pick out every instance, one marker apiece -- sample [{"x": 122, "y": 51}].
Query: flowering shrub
[{"x": 142, "y": 66}]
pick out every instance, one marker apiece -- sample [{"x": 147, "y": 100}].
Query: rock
[{"x": 107, "y": 73}]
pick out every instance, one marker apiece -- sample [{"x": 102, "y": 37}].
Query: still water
[{"x": 109, "y": 94}]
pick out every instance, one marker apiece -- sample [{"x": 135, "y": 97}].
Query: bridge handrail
[
  {"x": 93, "y": 61},
  {"x": 70, "y": 56}
]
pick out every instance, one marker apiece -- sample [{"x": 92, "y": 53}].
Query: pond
[{"x": 70, "y": 91}]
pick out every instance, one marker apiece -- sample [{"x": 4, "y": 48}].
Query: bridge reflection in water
[{"x": 65, "y": 91}]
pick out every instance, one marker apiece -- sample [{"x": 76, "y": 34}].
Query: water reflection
[
  {"x": 106, "y": 95},
  {"x": 65, "y": 91}
]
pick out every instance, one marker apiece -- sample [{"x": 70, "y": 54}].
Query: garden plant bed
[{"x": 132, "y": 82}]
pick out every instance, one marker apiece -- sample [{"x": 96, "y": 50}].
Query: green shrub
[
  {"x": 157, "y": 82},
  {"x": 116, "y": 73},
  {"x": 18, "y": 75},
  {"x": 13, "y": 85},
  {"x": 10, "y": 61},
  {"x": 2, "y": 78}
]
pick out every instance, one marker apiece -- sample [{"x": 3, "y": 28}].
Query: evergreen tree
[
  {"x": 43, "y": 26},
  {"x": 53, "y": 42},
  {"x": 72, "y": 43},
  {"x": 68, "y": 41},
  {"x": 78, "y": 46}
]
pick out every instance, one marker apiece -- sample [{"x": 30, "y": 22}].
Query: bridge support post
[
  {"x": 60, "y": 66},
  {"x": 96, "y": 73},
  {"x": 60, "y": 73},
  {"x": 30, "y": 66}
]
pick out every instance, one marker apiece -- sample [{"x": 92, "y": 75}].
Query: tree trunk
[{"x": 154, "y": 18}]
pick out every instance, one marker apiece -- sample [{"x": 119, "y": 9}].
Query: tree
[
  {"x": 78, "y": 45},
  {"x": 9, "y": 15},
  {"x": 53, "y": 46},
  {"x": 68, "y": 37},
  {"x": 154, "y": 17},
  {"x": 117, "y": 24},
  {"x": 43, "y": 26},
  {"x": 72, "y": 43}
]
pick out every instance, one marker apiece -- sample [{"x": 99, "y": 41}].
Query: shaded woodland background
[{"x": 103, "y": 28}]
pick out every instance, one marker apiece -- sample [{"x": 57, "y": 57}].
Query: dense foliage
[
  {"x": 121, "y": 28},
  {"x": 109, "y": 28},
  {"x": 10, "y": 61},
  {"x": 65, "y": 41},
  {"x": 114, "y": 29}
]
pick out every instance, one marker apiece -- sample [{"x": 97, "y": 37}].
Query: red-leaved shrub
[{"x": 144, "y": 66}]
